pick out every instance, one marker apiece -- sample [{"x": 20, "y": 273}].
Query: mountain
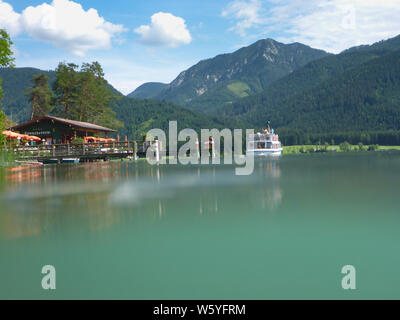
[
  {"x": 15, "y": 104},
  {"x": 354, "y": 96},
  {"x": 148, "y": 90},
  {"x": 227, "y": 77},
  {"x": 357, "y": 90},
  {"x": 15, "y": 82}
]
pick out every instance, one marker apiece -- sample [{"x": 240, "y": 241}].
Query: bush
[
  {"x": 345, "y": 146},
  {"x": 361, "y": 147},
  {"x": 77, "y": 141},
  {"x": 374, "y": 147}
]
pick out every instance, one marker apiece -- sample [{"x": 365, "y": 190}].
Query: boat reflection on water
[{"x": 271, "y": 194}]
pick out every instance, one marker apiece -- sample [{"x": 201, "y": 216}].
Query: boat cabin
[{"x": 264, "y": 142}]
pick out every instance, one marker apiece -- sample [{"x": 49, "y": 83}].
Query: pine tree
[
  {"x": 6, "y": 60},
  {"x": 94, "y": 97},
  {"x": 40, "y": 96},
  {"x": 66, "y": 88}
]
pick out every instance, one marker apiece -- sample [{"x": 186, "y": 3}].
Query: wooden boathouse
[
  {"x": 56, "y": 130},
  {"x": 58, "y": 143}
]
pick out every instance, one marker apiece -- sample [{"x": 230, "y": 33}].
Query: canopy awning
[
  {"x": 94, "y": 139},
  {"x": 14, "y": 135}
]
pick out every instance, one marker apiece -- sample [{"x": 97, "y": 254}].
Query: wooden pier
[
  {"x": 85, "y": 152},
  {"x": 98, "y": 151}
]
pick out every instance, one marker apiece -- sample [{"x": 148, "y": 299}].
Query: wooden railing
[{"x": 82, "y": 150}]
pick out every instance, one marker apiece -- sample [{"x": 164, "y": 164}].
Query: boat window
[{"x": 261, "y": 145}]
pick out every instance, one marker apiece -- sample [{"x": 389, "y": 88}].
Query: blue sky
[{"x": 154, "y": 40}]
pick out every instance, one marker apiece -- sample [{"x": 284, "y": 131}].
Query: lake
[{"x": 128, "y": 230}]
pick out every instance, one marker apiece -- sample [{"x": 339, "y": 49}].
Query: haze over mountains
[{"x": 304, "y": 92}]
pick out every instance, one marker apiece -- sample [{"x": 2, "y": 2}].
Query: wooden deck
[{"x": 85, "y": 152}]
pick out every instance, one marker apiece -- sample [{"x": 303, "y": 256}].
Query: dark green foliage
[
  {"x": 83, "y": 94},
  {"x": 148, "y": 90},
  {"x": 291, "y": 137},
  {"x": 6, "y": 60},
  {"x": 77, "y": 140},
  {"x": 345, "y": 146},
  {"x": 6, "y": 54},
  {"x": 140, "y": 116},
  {"x": 40, "y": 96},
  {"x": 15, "y": 103},
  {"x": 366, "y": 97},
  {"x": 66, "y": 89},
  {"x": 16, "y": 81},
  {"x": 2, "y": 128},
  {"x": 374, "y": 147}
]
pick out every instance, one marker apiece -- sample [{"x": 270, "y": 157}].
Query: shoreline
[{"x": 304, "y": 149}]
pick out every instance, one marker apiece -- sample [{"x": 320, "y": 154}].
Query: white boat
[
  {"x": 264, "y": 143},
  {"x": 70, "y": 160}
]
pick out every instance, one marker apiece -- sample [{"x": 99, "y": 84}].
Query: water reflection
[{"x": 97, "y": 196}]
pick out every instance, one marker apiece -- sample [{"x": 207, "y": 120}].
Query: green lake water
[{"x": 128, "y": 230}]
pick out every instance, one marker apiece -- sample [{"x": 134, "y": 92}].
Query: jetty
[
  {"x": 85, "y": 152},
  {"x": 50, "y": 139}
]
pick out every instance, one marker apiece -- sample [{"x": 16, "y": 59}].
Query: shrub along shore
[{"x": 343, "y": 147}]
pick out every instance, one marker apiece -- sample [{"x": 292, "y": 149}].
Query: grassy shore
[
  {"x": 335, "y": 148},
  {"x": 389, "y": 148}
]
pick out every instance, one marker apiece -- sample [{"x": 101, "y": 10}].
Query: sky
[{"x": 138, "y": 41}]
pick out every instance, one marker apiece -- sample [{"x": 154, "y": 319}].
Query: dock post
[
  {"x": 68, "y": 149},
  {"x": 83, "y": 148},
  {"x": 198, "y": 148},
  {"x": 213, "y": 148},
  {"x": 135, "y": 149},
  {"x": 157, "y": 145}
]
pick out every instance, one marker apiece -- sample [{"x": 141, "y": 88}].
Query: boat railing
[{"x": 264, "y": 137}]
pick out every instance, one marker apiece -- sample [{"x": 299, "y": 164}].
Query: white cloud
[
  {"x": 165, "y": 30},
  {"x": 63, "y": 23},
  {"x": 248, "y": 14},
  {"x": 9, "y": 19},
  {"x": 335, "y": 25},
  {"x": 332, "y": 25}
]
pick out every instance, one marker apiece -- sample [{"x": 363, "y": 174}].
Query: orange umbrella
[
  {"x": 89, "y": 139},
  {"x": 25, "y": 137},
  {"x": 34, "y": 138},
  {"x": 10, "y": 134},
  {"x": 14, "y": 135}
]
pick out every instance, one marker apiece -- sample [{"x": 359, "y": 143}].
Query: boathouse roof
[{"x": 72, "y": 123}]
